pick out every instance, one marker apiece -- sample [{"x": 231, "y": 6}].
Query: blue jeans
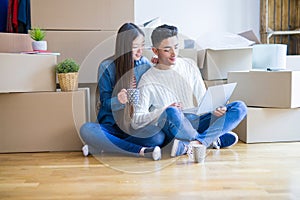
[
  {"x": 102, "y": 137},
  {"x": 205, "y": 128}
]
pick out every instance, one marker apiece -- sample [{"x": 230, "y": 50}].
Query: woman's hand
[
  {"x": 220, "y": 111},
  {"x": 122, "y": 96},
  {"x": 154, "y": 59}
]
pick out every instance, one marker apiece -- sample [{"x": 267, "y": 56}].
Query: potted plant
[
  {"x": 38, "y": 36},
  {"x": 67, "y": 74}
]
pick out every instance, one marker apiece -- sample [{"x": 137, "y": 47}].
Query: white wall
[{"x": 195, "y": 17}]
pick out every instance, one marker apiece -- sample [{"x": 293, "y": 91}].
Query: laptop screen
[{"x": 214, "y": 97}]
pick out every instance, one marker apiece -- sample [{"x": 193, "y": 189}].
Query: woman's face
[{"x": 138, "y": 45}]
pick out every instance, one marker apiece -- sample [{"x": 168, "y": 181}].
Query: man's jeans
[{"x": 206, "y": 128}]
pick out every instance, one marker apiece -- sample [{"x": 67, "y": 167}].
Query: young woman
[{"x": 115, "y": 75}]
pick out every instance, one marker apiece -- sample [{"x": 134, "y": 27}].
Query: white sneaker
[
  {"x": 156, "y": 154},
  {"x": 152, "y": 152},
  {"x": 180, "y": 148},
  {"x": 85, "y": 150}
]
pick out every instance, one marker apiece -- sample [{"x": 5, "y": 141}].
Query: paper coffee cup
[{"x": 199, "y": 153}]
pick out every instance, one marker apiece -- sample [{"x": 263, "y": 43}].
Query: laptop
[{"x": 214, "y": 97}]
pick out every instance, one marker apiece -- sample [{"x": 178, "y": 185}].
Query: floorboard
[{"x": 246, "y": 171}]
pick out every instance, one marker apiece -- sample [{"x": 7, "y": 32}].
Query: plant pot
[
  {"x": 68, "y": 81},
  {"x": 39, "y": 45}
]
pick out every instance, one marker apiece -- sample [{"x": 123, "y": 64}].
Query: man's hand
[
  {"x": 178, "y": 105},
  {"x": 122, "y": 96},
  {"x": 220, "y": 111}
]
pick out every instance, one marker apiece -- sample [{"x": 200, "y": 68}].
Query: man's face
[{"x": 167, "y": 51}]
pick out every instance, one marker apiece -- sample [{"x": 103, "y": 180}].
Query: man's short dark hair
[{"x": 163, "y": 32}]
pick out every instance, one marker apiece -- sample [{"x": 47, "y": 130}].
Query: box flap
[{"x": 250, "y": 35}]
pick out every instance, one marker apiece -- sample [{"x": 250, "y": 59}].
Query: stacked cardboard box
[
  {"x": 15, "y": 43},
  {"x": 34, "y": 117},
  {"x": 41, "y": 121},
  {"x": 27, "y": 73},
  {"x": 81, "y": 15},
  {"x": 82, "y": 30},
  {"x": 273, "y": 101}
]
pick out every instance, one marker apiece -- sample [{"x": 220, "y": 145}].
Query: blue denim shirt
[{"x": 106, "y": 84}]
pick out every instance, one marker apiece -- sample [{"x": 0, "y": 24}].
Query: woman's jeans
[
  {"x": 206, "y": 128},
  {"x": 106, "y": 138}
]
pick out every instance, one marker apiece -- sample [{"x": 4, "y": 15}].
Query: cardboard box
[
  {"x": 92, "y": 100},
  {"x": 188, "y": 53},
  {"x": 277, "y": 89},
  {"x": 293, "y": 62},
  {"x": 41, "y": 121},
  {"x": 269, "y": 125},
  {"x": 216, "y": 63},
  {"x": 15, "y": 43},
  {"x": 88, "y": 48},
  {"x": 27, "y": 73},
  {"x": 81, "y": 15}
]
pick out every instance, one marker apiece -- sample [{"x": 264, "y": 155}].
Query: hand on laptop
[
  {"x": 220, "y": 111},
  {"x": 178, "y": 105}
]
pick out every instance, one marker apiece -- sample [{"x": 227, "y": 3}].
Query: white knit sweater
[{"x": 160, "y": 88}]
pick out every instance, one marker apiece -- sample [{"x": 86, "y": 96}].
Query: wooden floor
[{"x": 247, "y": 171}]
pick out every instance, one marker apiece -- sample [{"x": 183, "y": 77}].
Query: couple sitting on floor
[{"x": 171, "y": 85}]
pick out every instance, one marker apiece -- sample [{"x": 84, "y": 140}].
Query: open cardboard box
[{"x": 215, "y": 63}]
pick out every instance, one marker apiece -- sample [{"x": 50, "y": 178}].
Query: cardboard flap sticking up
[{"x": 250, "y": 35}]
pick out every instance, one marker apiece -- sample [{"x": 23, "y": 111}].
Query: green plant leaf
[
  {"x": 37, "y": 34},
  {"x": 67, "y": 66}
]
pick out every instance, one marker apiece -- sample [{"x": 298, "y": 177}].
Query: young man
[{"x": 175, "y": 84}]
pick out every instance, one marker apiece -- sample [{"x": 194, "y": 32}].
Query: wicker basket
[{"x": 68, "y": 81}]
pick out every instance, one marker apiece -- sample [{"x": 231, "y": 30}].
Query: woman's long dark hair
[{"x": 123, "y": 51}]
